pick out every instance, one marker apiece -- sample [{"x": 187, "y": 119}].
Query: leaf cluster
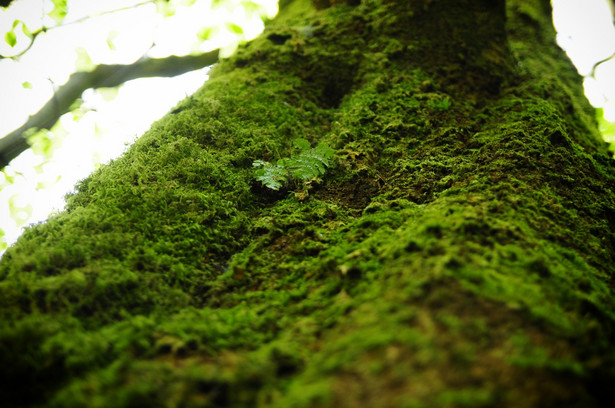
[{"x": 304, "y": 165}]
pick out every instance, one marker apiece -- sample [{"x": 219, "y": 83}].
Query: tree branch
[{"x": 103, "y": 76}]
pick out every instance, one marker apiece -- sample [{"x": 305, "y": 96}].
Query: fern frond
[
  {"x": 270, "y": 175},
  {"x": 307, "y": 164}
]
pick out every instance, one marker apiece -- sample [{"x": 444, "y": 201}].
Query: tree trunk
[{"x": 459, "y": 253}]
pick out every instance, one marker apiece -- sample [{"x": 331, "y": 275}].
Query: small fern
[{"x": 305, "y": 165}]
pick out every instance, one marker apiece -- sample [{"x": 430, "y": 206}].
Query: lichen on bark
[{"x": 460, "y": 253}]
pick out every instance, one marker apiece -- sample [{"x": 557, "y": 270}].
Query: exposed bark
[
  {"x": 461, "y": 253},
  {"x": 103, "y": 76}
]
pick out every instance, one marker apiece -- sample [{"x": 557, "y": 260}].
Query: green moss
[{"x": 449, "y": 258}]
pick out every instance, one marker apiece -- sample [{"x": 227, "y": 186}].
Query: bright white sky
[
  {"x": 585, "y": 30},
  {"x": 108, "y": 126}
]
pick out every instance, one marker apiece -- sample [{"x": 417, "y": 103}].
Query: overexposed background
[{"x": 122, "y": 31}]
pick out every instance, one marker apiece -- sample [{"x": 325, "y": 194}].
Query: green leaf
[
  {"x": 309, "y": 163},
  {"x": 108, "y": 94},
  {"x": 111, "y": 38},
  {"x": 234, "y": 28},
  {"x": 84, "y": 62},
  {"x": 44, "y": 142},
  {"x": 252, "y": 7},
  {"x": 301, "y": 144},
  {"x": 324, "y": 151},
  {"x": 19, "y": 214},
  {"x": 606, "y": 127},
  {"x": 10, "y": 38},
  {"x": 59, "y": 11},
  {"x": 3, "y": 243},
  {"x": 26, "y": 30},
  {"x": 6, "y": 179},
  {"x": 40, "y": 140},
  {"x": 206, "y": 33},
  {"x": 270, "y": 175},
  {"x": 26, "y": 85},
  {"x": 165, "y": 8}
]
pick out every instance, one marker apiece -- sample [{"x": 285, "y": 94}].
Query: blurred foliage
[
  {"x": 607, "y": 129},
  {"x": 60, "y": 8},
  {"x": 234, "y": 16},
  {"x": 44, "y": 142}
]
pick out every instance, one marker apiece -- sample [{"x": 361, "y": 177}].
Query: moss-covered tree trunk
[{"x": 459, "y": 252}]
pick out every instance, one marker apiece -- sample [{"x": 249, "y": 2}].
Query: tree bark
[{"x": 461, "y": 252}]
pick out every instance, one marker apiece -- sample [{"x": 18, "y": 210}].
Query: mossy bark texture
[{"x": 459, "y": 253}]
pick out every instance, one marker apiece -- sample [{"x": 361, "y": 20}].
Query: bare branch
[
  {"x": 597, "y": 64},
  {"x": 103, "y": 76}
]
